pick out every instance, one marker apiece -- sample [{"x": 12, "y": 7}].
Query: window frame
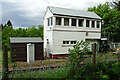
[
  {"x": 72, "y": 22},
  {"x": 97, "y": 24},
  {"x": 92, "y": 25},
  {"x": 68, "y": 21},
  {"x": 59, "y": 22},
  {"x": 79, "y": 22},
  {"x": 48, "y": 21},
  {"x": 69, "y": 43},
  {"x": 88, "y": 23}
]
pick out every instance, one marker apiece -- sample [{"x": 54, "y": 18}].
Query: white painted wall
[
  {"x": 60, "y": 36},
  {"x": 93, "y": 35},
  {"x": 47, "y": 34}
]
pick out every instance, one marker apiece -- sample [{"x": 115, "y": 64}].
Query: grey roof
[
  {"x": 25, "y": 40},
  {"x": 72, "y": 12}
]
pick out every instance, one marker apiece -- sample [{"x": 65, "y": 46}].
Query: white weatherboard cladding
[
  {"x": 48, "y": 45},
  {"x": 56, "y": 34},
  {"x": 60, "y": 36},
  {"x": 47, "y": 33},
  {"x": 30, "y": 53},
  {"x": 93, "y": 35},
  {"x": 48, "y": 14}
]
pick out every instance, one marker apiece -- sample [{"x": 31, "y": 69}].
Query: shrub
[{"x": 76, "y": 57}]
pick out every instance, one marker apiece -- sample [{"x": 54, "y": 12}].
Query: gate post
[
  {"x": 30, "y": 53},
  {"x": 5, "y": 63},
  {"x": 94, "y": 55}
]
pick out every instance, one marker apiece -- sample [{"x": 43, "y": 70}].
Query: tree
[
  {"x": 116, "y": 5},
  {"x": 9, "y": 23},
  {"x": 21, "y": 32},
  {"x": 6, "y": 34},
  {"x": 101, "y": 10},
  {"x": 32, "y": 32},
  {"x": 40, "y": 31},
  {"x": 111, "y": 20}
]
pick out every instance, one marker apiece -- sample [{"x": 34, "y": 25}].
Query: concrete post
[{"x": 30, "y": 53}]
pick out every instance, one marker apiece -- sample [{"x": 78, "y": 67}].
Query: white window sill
[{"x": 68, "y": 45}]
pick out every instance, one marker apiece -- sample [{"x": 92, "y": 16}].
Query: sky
[{"x": 28, "y": 13}]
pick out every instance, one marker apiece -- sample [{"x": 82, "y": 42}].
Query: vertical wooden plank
[
  {"x": 94, "y": 55},
  {"x": 5, "y": 62}
]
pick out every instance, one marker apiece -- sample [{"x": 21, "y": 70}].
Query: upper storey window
[
  {"x": 98, "y": 24},
  {"x": 66, "y": 21},
  {"x": 58, "y": 20},
  {"x": 93, "y": 24},
  {"x": 87, "y": 23},
  {"x": 50, "y": 21},
  {"x": 73, "y": 22},
  {"x": 81, "y": 21}
]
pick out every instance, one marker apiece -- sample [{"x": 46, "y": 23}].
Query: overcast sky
[{"x": 28, "y": 13}]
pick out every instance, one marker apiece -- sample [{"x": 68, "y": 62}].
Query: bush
[{"x": 76, "y": 57}]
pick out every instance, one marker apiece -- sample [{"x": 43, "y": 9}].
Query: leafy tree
[
  {"x": 101, "y": 9},
  {"x": 116, "y": 5},
  {"x": 21, "y": 32},
  {"x": 111, "y": 20},
  {"x": 32, "y": 32},
  {"x": 6, "y": 33},
  {"x": 40, "y": 31}
]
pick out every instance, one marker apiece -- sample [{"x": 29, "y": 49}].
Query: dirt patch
[{"x": 37, "y": 64}]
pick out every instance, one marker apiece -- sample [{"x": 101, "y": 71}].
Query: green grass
[
  {"x": 105, "y": 71},
  {"x": 45, "y": 73}
]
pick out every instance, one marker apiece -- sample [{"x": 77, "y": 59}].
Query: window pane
[
  {"x": 65, "y": 42},
  {"x": 58, "y": 21},
  {"x": 73, "y": 22},
  {"x": 87, "y": 23},
  {"x": 48, "y": 22},
  {"x": 51, "y": 20},
  {"x": 98, "y": 24},
  {"x": 66, "y": 21},
  {"x": 73, "y": 42},
  {"x": 93, "y": 24},
  {"x": 80, "y": 22}
]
